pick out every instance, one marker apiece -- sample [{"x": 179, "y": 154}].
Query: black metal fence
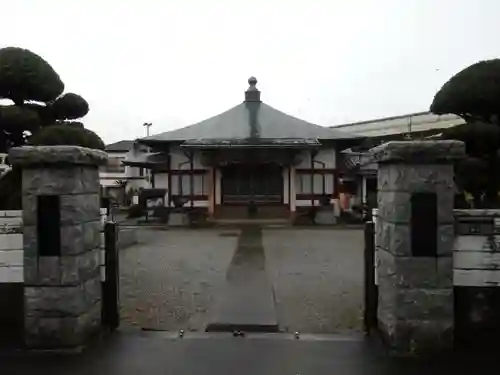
[
  {"x": 371, "y": 288},
  {"x": 111, "y": 283}
]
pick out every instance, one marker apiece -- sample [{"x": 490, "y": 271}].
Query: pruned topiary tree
[
  {"x": 64, "y": 134},
  {"x": 474, "y": 95},
  {"x": 39, "y": 113},
  {"x": 27, "y": 77},
  {"x": 36, "y": 92}
]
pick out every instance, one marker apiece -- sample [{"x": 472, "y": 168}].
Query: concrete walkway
[
  {"x": 246, "y": 303},
  {"x": 155, "y": 353}
]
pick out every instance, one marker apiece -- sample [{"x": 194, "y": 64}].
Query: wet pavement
[
  {"x": 174, "y": 279},
  {"x": 155, "y": 353},
  {"x": 246, "y": 303},
  {"x": 171, "y": 280},
  {"x": 304, "y": 268},
  {"x": 318, "y": 278}
]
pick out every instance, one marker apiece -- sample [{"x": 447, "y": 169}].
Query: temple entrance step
[
  {"x": 270, "y": 223},
  {"x": 242, "y": 212}
]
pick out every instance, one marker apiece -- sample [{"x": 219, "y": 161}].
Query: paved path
[
  {"x": 246, "y": 303},
  {"x": 172, "y": 280},
  {"x": 318, "y": 278}
]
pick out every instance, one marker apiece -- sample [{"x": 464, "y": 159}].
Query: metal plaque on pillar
[{"x": 423, "y": 224}]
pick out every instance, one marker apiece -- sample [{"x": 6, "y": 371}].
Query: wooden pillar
[
  {"x": 363, "y": 189},
  {"x": 211, "y": 192},
  {"x": 169, "y": 179},
  {"x": 312, "y": 177},
  {"x": 191, "y": 178},
  {"x": 291, "y": 195}
]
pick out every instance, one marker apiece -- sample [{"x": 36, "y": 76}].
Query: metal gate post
[
  {"x": 110, "y": 286},
  {"x": 370, "y": 291}
]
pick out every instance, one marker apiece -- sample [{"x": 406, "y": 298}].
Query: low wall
[
  {"x": 476, "y": 260},
  {"x": 476, "y": 276},
  {"x": 11, "y": 247},
  {"x": 12, "y": 275},
  {"x": 11, "y": 278}
]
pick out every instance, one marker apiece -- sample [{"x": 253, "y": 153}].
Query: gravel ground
[
  {"x": 317, "y": 277},
  {"x": 169, "y": 281}
]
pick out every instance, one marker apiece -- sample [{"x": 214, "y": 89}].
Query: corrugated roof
[
  {"x": 383, "y": 119},
  {"x": 412, "y": 123}
]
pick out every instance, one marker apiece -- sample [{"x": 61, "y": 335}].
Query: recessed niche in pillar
[
  {"x": 49, "y": 225},
  {"x": 424, "y": 224}
]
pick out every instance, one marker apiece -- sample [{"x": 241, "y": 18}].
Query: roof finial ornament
[
  {"x": 252, "y": 94},
  {"x": 252, "y": 81}
]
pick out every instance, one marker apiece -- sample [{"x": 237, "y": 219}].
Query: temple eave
[
  {"x": 257, "y": 143},
  {"x": 236, "y": 146}
]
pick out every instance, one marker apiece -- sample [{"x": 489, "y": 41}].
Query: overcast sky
[{"x": 175, "y": 62}]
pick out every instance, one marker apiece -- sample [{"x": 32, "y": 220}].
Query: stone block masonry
[
  {"x": 415, "y": 276},
  {"x": 62, "y": 290}
]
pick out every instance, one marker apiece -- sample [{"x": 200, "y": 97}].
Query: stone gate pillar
[
  {"x": 414, "y": 240},
  {"x": 61, "y": 219}
]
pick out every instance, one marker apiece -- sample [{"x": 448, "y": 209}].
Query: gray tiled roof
[
  {"x": 120, "y": 146},
  {"x": 146, "y": 158},
  {"x": 251, "y": 120}
]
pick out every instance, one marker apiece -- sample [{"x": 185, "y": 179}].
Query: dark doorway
[{"x": 259, "y": 183}]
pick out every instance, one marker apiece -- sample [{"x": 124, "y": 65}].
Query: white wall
[
  {"x": 325, "y": 155},
  {"x": 201, "y": 186},
  {"x": 286, "y": 198},
  {"x": 218, "y": 187},
  {"x": 110, "y": 178},
  {"x": 303, "y": 181},
  {"x": 179, "y": 159},
  {"x": 161, "y": 181}
]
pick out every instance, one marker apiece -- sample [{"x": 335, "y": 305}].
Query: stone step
[{"x": 246, "y": 306}]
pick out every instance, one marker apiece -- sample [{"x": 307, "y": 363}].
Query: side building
[
  {"x": 117, "y": 179},
  {"x": 359, "y": 178}
]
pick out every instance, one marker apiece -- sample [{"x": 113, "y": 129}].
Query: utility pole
[{"x": 147, "y": 125}]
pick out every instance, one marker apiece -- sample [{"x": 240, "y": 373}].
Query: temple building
[{"x": 251, "y": 154}]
